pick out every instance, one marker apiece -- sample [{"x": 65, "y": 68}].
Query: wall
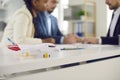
[
  {"x": 7, "y": 9},
  {"x": 101, "y": 18},
  {"x": 10, "y": 6},
  {"x": 109, "y": 16}
]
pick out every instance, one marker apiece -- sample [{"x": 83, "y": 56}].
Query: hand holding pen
[{"x": 14, "y": 46}]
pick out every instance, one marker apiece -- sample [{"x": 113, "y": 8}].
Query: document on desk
[
  {"x": 37, "y": 46},
  {"x": 39, "y": 50},
  {"x": 40, "y": 47}
]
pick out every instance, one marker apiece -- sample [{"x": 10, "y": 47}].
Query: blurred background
[{"x": 87, "y": 18}]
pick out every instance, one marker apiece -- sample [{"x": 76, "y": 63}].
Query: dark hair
[{"x": 29, "y": 4}]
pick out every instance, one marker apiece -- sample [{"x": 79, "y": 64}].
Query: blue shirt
[{"x": 48, "y": 22}]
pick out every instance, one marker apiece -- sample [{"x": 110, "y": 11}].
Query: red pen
[{"x": 14, "y": 46}]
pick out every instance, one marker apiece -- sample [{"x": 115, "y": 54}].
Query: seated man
[
  {"x": 114, "y": 29},
  {"x": 47, "y": 26}
]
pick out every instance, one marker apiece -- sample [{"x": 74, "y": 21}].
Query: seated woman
[{"x": 21, "y": 27}]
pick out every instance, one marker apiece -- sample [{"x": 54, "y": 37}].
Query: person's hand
[
  {"x": 71, "y": 38},
  {"x": 48, "y": 40},
  {"x": 78, "y": 39},
  {"x": 90, "y": 40}
]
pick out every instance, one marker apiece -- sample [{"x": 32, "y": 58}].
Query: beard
[{"x": 49, "y": 11}]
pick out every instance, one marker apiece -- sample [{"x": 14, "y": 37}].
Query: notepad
[{"x": 38, "y": 51}]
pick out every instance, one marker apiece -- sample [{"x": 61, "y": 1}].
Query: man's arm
[
  {"x": 104, "y": 40},
  {"x": 110, "y": 40},
  {"x": 56, "y": 33}
]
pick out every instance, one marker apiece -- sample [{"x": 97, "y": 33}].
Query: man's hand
[
  {"x": 71, "y": 38},
  {"x": 78, "y": 39},
  {"x": 48, "y": 40},
  {"x": 90, "y": 40}
]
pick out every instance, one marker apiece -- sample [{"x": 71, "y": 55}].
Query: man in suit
[
  {"x": 48, "y": 26},
  {"x": 114, "y": 29}
]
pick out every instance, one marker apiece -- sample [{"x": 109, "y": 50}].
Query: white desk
[{"x": 96, "y": 63}]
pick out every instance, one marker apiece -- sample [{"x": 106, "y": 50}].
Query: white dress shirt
[{"x": 49, "y": 22}]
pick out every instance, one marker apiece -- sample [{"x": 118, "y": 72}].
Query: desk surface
[{"x": 11, "y": 63}]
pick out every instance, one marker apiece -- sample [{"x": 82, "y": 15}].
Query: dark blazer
[
  {"x": 41, "y": 28},
  {"x": 115, "y": 39},
  {"x": 55, "y": 32}
]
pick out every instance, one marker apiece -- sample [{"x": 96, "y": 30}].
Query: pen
[
  {"x": 51, "y": 45},
  {"x": 14, "y": 46},
  {"x": 71, "y": 48},
  {"x": 11, "y": 41}
]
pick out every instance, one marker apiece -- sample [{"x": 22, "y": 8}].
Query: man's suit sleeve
[
  {"x": 110, "y": 40},
  {"x": 57, "y": 35}
]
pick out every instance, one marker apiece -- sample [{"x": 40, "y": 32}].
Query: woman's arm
[{"x": 23, "y": 28}]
